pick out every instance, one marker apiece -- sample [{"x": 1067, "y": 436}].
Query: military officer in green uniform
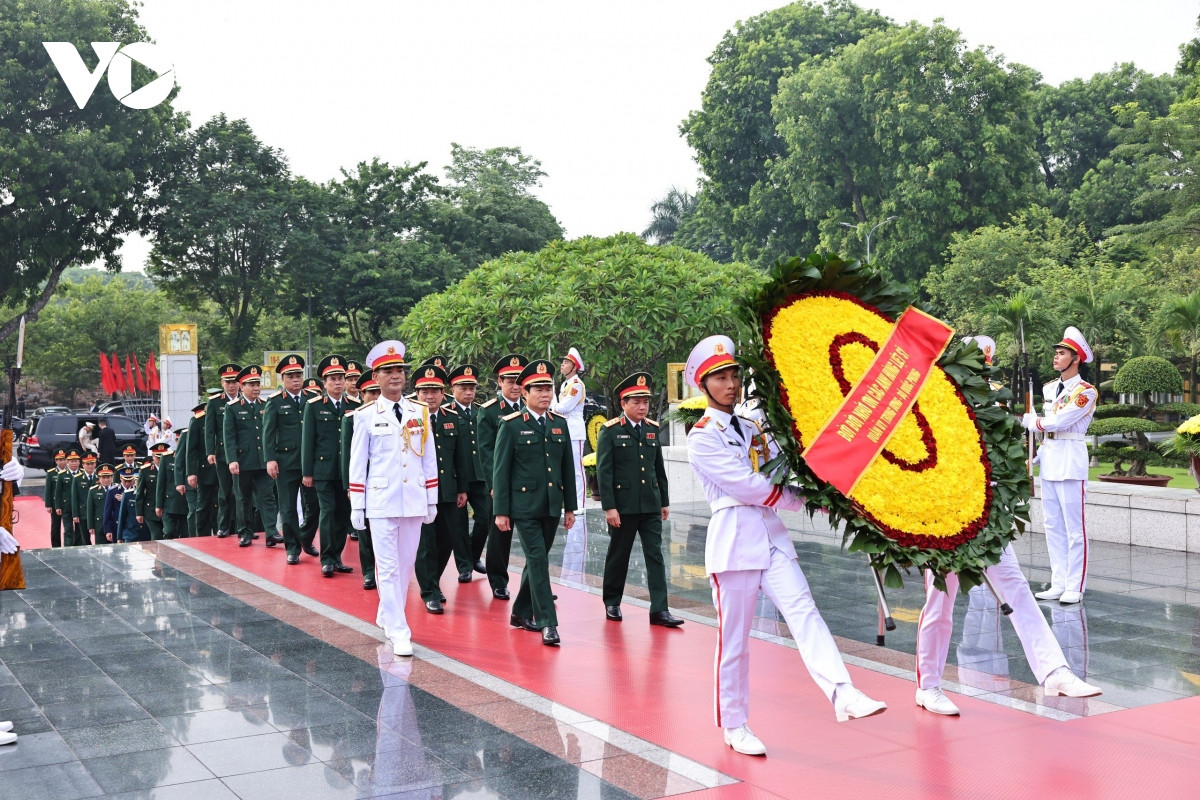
[
  {"x": 439, "y": 539},
  {"x": 354, "y": 371},
  {"x": 201, "y": 476},
  {"x": 80, "y": 485},
  {"x": 633, "y": 493},
  {"x": 64, "y": 502},
  {"x": 464, "y": 383},
  {"x": 51, "y": 488},
  {"x": 181, "y": 478},
  {"x": 170, "y": 501},
  {"x": 281, "y": 448},
  {"x": 243, "y": 426},
  {"x": 368, "y": 393},
  {"x": 320, "y": 462},
  {"x": 93, "y": 508},
  {"x": 499, "y": 542},
  {"x": 214, "y": 446},
  {"x": 533, "y": 482},
  {"x": 309, "y": 508},
  {"x": 144, "y": 495}
]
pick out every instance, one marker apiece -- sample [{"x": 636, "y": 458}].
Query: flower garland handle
[{"x": 885, "y": 612}]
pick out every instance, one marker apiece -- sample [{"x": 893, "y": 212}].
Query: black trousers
[
  {"x": 536, "y": 598},
  {"x": 255, "y": 488},
  {"x": 480, "y": 504},
  {"x": 226, "y": 499},
  {"x": 334, "y": 519},
  {"x": 56, "y": 527},
  {"x": 499, "y": 544},
  {"x": 287, "y": 486},
  {"x": 436, "y": 547},
  {"x": 648, "y": 527}
]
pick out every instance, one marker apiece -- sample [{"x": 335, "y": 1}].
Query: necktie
[
  {"x": 542, "y": 422},
  {"x": 1061, "y": 386},
  {"x": 467, "y": 412},
  {"x": 733, "y": 423},
  {"x": 399, "y": 413}
]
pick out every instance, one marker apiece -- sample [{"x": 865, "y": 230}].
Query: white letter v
[{"x": 74, "y": 72}]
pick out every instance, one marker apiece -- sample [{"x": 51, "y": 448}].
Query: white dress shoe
[
  {"x": 744, "y": 741},
  {"x": 1067, "y": 598},
  {"x": 1064, "y": 683},
  {"x": 850, "y": 703},
  {"x": 7, "y": 738},
  {"x": 935, "y": 700},
  {"x": 1053, "y": 593},
  {"x": 5, "y": 727},
  {"x": 402, "y": 646}
]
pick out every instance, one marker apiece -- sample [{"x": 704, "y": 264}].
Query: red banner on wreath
[{"x": 878, "y": 403}]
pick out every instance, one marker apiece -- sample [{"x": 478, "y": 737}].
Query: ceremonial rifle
[
  {"x": 1028, "y": 408},
  {"x": 6, "y": 438}
]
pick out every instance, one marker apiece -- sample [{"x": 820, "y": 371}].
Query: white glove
[
  {"x": 8, "y": 542},
  {"x": 1029, "y": 421},
  {"x": 13, "y": 471},
  {"x": 358, "y": 519},
  {"x": 430, "y": 514}
]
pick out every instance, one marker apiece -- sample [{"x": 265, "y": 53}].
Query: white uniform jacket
[
  {"x": 744, "y": 524},
  {"x": 1067, "y": 414},
  {"x": 571, "y": 397},
  {"x": 393, "y": 463}
]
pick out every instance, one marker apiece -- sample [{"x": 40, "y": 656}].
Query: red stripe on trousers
[
  {"x": 1083, "y": 524},
  {"x": 720, "y": 645}
]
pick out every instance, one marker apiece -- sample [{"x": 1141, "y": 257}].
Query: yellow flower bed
[{"x": 1191, "y": 426}]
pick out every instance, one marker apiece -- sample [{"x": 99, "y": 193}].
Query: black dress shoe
[
  {"x": 434, "y": 607},
  {"x": 500, "y": 594},
  {"x": 222, "y": 534},
  {"x": 327, "y": 570},
  {"x": 293, "y": 559},
  {"x": 465, "y": 577},
  {"x": 665, "y": 619},
  {"x": 340, "y": 567},
  {"x": 274, "y": 539},
  {"x": 522, "y": 622},
  {"x": 353, "y": 536},
  {"x": 254, "y": 536},
  {"x": 480, "y": 568},
  {"x": 309, "y": 550},
  {"x": 245, "y": 542},
  {"x": 550, "y": 636},
  {"x": 613, "y": 613},
  {"x": 369, "y": 584}
]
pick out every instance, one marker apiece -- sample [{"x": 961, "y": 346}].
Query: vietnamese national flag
[
  {"x": 137, "y": 373},
  {"x": 130, "y": 383},
  {"x": 118, "y": 377},
  {"x": 105, "y": 377},
  {"x": 152, "y": 373}
]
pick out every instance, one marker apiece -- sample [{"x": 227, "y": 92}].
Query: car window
[
  {"x": 123, "y": 426},
  {"x": 56, "y": 425}
]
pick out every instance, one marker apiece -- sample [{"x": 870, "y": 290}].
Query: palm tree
[
  {"x": 1011, "y": 314},
  {"x": 1179, "y": 324},
  {"x": 668, "y": 213},
  {"x": 1099, "y": 317}
]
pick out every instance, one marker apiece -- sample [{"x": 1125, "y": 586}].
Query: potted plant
[
  {"x": 589, "y": 473},
  {"x": 689, "y": 411},
  {"x": 1186, "y": 443},
  {"x": 1142, "y": 376}
]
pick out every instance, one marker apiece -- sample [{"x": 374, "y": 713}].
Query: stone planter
[
  {"x": 1159, "y": 481},
  {"x": 1194, "y": 471}
]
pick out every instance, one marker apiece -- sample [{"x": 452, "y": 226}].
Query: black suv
[{"x": 57, "y": 429}]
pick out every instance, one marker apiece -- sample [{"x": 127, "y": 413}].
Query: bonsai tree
[{"x": 1142, "y": 376}]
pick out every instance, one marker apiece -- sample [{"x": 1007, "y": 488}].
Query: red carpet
[{"x": 657, "y": 684}]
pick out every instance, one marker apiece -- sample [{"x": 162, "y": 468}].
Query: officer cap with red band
[
  {"x": 464, "y": 375},
  {"x": 535, "y": 372},
  {"x": 389, "y": 353},
  {"x": 429, "y": 376},
  {"x": 229, "y": 372},
  {"x": 332, "y": 364},
  {"x": 251, "y": 374},
  {"x": 636, "y": 385},
  {"x": 511, "y": 364},
  {"x": 290, "y": 363},
  {"x": 366, "y": 381},
  {"x": 1073, "y": 340},
  {"x": 710, "y": 355},
  {"x": 353, "y": 369}
]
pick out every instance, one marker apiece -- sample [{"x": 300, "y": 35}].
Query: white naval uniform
[
  {"x": 936, "y": 624},
  {"x": 394, "y": 478},
  {"x": 1063, "y": 458},
  {"x": 569, "y": 403},
  {"x": 748, "y": 548}
]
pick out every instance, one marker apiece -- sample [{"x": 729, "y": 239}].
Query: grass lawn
[{"x": 1180, "y": 479}]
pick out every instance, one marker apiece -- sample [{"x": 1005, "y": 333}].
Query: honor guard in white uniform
[
  {"x": 936, "y": 625},
  {"x": 394, "y": 483},
  {"x": 749, "y": 549},
  {"x": 569, "y": 403},
  {"x": 1068, "y": 406}
]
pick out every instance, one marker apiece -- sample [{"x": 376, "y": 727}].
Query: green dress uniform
[
  {"x": 143, "y": 497},
  {"x": 168, "y": 499},
  {"x": 202, "y": 502},
  {"x": 499, "y": 543},
  {"x": 243, "y": 435},
  {"x": 533, "y": 482},
  {"x": 366, "y": 546},
  {"x": 189, "y": 494},
  {"x": 633, "y": 481},
  {"x": 64, "y": 507},
  {"x": 94, "y": 507},
  {"x": 281, "y": 435},
  {"x": 51, "y": 486},
  {"x": 81, "y": 484},
  {"x": 214, "y": 445},
  {"x": 478, "y": 499},
  {"x": 321, "y": 459}
]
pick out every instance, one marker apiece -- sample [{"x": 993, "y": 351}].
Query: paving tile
[
  {"x": 50, "y": 782},
  {"x": 221, "y": 723},
  {"x": 123, "y": 737},
  {"x": 309, "y": 782},
  {"x": 146, "y": 770},
  {"x": 33, "y": 750},
  {"x": 268, "y": 751},
  {"x": 103, "y": 710},
  {"x": 199, "y": 790}
]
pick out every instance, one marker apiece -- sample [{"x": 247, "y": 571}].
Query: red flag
[
  {"x": 137, "y": 373},
  {"x": 118, "y": 377},
  {"x": 130, "y": 383},
  {"x": 105, "y": 377},
  {"x": 152, "y": 373}
]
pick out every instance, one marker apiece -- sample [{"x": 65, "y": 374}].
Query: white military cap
[
  {"x": 711, "y": 354},
  {"x": 1073, "y": 340}
]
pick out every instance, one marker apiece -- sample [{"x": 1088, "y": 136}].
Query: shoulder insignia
[
  {"x": 613, "y": 421},
  {"x": 1050, "y": 383},
  {"x": 488, "y": 403},
  {"x": 701, "y": 423},
  {"x": 201, "y": 412},
  {"x": 1086, "y": 385},
  {"x": 449, "y": 408},
  {"x": 753, "y": 422},
  {"x": 653, "y": 422},
  {"x": 554, "y": 415},
  {"x": 350, "y": 411},
  {"x": 317, "y": 399},
  {"x": 233, "y": 401},
  {"x": 146, "y": 465},
  {"x": 513, "y": 415},
  {"x": 360, "y": 408},
  {"x": 1081, "y": 400}
]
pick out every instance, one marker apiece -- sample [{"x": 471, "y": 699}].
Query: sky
[{"x": 594, "y": 90}]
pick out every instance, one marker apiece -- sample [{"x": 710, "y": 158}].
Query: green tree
[
  {"x": 73, "y": 182},
  {"x": 227, "y": 212},
  {"x": 700, "y": 230},
  {"x": 1007, "y": 319},
  {"x": 627, "y": 305},
  {"x": 668, "y": 214},
  {"x": 906, "y": 122},
  {"x": 1179, "y": 325},
  {"x": 735, "y": 137}
]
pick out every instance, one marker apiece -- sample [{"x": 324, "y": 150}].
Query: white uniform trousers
[
  {"x": 395, "y": 540},
  {"x": 936, "y": 624},
  {"x": 734, "y": 595},
  {"x": 1066, "y": 533},
  {"x": 580, "y": 477}
]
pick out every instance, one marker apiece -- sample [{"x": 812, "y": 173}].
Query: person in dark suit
[
  {"x": 320, "y": 462},
  {"x": 281, "y": 448},
  {"x": 633, "y": 492},
  {"x": 499, "y": 542},
  {"x": 106, "y": 441},
  {"x": 463, "y": 385},
  {"x": 242, "y": 431}
]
